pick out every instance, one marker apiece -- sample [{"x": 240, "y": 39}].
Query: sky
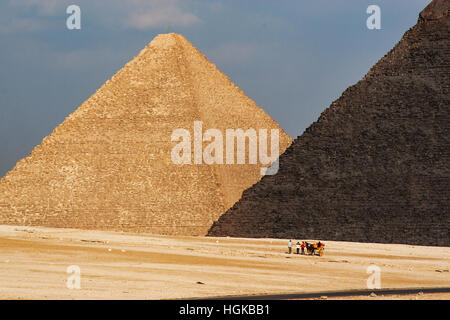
[{"x": 292, "y": 57}]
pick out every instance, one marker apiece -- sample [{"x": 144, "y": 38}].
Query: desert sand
[{"x": 114, "y": 265}]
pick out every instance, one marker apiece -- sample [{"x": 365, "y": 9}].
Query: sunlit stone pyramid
[
  {"x": 108, "y": 165},
  {"x": 375, "y": 167}
]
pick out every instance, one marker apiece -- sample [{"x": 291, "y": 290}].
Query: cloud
[
  {"x": 153, "y": 14},
  {"x": 43, "y": 7},
  {"x": 34, "y": 15},
  {"x": 19, "y": 25},
  {"x": 27, "y": 16}
]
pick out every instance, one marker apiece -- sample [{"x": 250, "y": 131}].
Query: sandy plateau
[{"x": 34, "y": 260}]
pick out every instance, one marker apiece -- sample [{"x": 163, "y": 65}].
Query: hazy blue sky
[{"x": 292, "y": 57}]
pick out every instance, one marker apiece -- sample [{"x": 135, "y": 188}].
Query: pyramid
[
  {"x": 375, "y": 167},
  {"x": 108, "y": 165}
]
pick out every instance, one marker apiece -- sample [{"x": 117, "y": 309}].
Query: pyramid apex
[
  {"x": 167, "y": 35},
  {"x": 436, "y": 9},
  {"x": 165, "y": 40}
]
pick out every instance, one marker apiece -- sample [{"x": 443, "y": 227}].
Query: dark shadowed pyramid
[{"x": 375, "y": 166}]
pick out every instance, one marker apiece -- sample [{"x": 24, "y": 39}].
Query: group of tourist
[
  {"x": 298, "y": 246},
  {"x": 304, "y": 245}
]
